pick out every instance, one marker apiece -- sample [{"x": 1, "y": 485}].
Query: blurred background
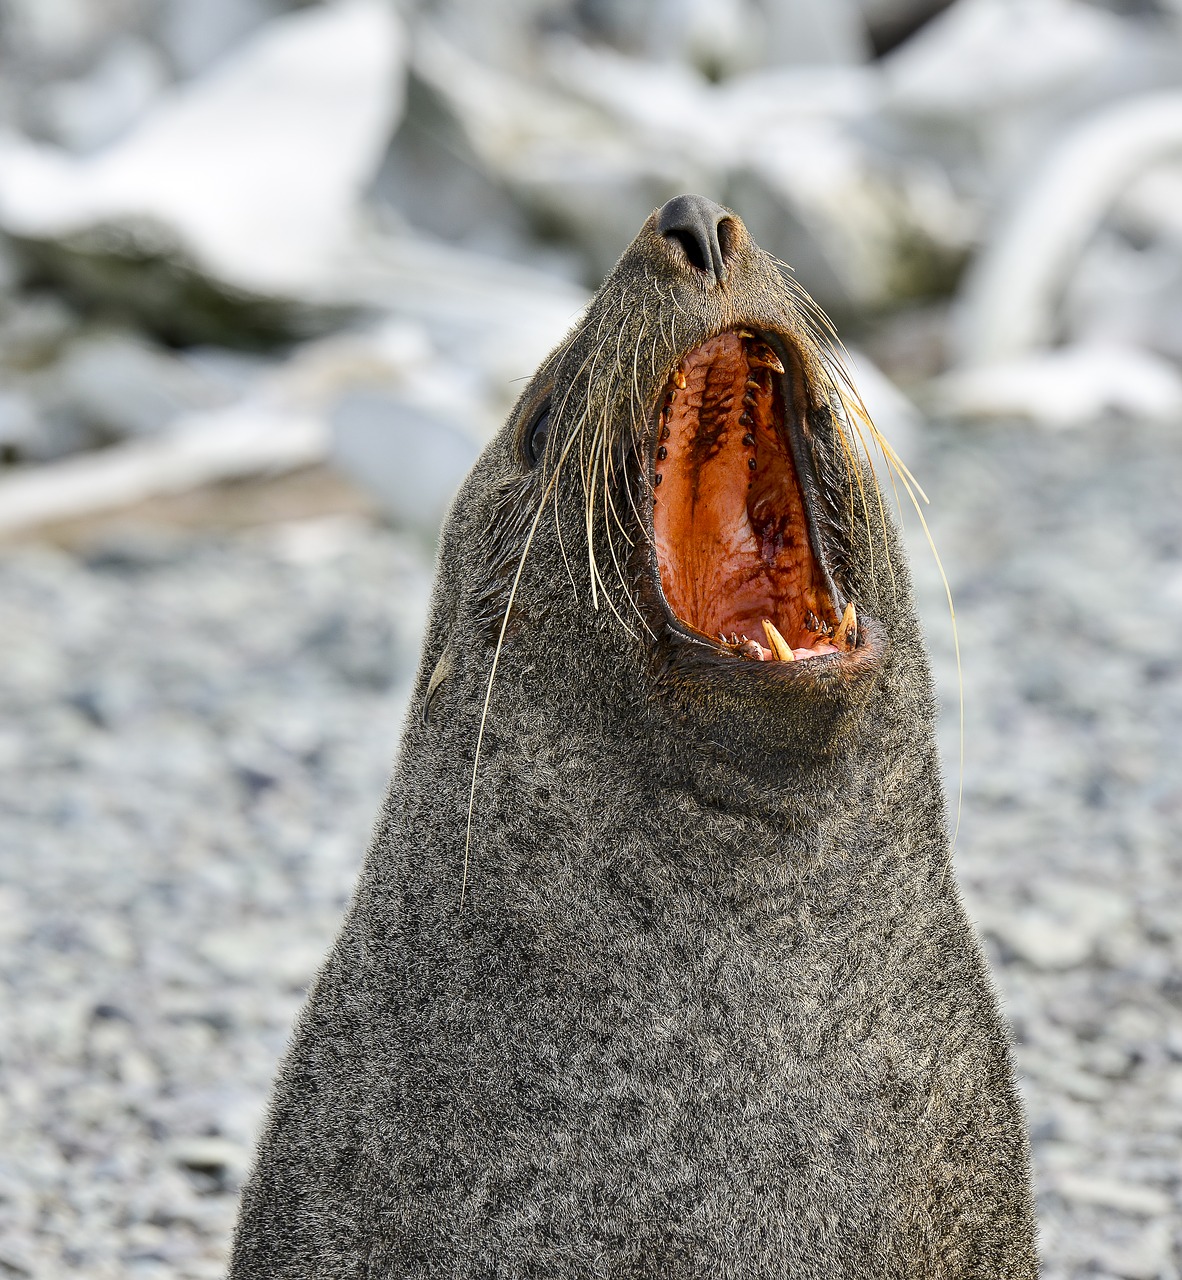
[{"x": 270, "y": 273}]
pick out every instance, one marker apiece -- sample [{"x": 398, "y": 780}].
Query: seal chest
[{"x": 656, "y": 966}]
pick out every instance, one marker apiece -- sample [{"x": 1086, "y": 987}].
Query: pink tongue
[{"x": 822, "y": 646}]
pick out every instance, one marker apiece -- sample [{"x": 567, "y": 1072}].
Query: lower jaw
[{"x": 730, "y": 722}]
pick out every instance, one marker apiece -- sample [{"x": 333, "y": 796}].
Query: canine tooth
[
  {"x": 679, "y": 379},
  {"x": 779, "y": 646},
  {"x": 767, "y": 360},
  {"x": 847, "y": 628}
]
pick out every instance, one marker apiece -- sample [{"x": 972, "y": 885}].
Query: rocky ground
[
  {"x": 1066, "y": 557},
  {"x": 196, "y": 734},
  {"x": 195, "y": 728}
]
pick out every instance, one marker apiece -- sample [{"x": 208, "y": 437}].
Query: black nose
[{"x": 701, "y": 227}]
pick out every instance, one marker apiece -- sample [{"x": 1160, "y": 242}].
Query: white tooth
[{"x": 779, "y": 645}]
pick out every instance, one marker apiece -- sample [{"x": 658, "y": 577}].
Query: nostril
[
  {"x": 692, "y": 246},
  {"x": 703, "y": 229}
]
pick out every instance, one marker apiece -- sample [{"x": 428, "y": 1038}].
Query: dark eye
[{"x": 537, "y": 435}]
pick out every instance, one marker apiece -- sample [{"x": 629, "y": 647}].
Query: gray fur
[{"x": 711, "y": 1009}]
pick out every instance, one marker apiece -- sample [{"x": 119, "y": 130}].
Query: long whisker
[
  {"x": 856, "y": 412},
  {"x": 497, "y": 658},
  {"x": 557, "y": 415},
  {"x": 835, "y": 358},
  {"x": 610, "y": 508},
  {"x": 590, "y": 464},
  {"x": 587, "y": 478}
]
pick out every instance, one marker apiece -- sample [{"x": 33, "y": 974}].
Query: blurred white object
[
  {"x": 224, "y": 445},
  {"x": 482, "y": 314},
  {"x": 667, "y": 103},
  {"x": 983, "y": 55},
  {"x": 124, "y": 386},
  {"x": 563, "y": 158},
  {"x": 197, "y": 34},
  {"x": 815, "y": 33},
  {"x": 18, "y": 422},
  {"x": 710, "y": 35},
  {"x": 788, "y": 148},
  {"x": 408, "y": 457},
  {"x": 719, "y": 38},
  {"x": 728, "y": 36},
  {"x": 1063, "y": 387},
  {"x": 752, "y": 103},
  {"x": 406, "y": 417},
  {"x": 1009, "y": 299},
  {"x": 1127, "y": 285},
  {"x": 395, "y": 407},
  {"x": 860, "y": 230},
  {"x": 258, "y": 166},
  {"x": 91, "y": 112},
  {"x": 725, "y": 36},
  {"x": 57, "y": 29}
]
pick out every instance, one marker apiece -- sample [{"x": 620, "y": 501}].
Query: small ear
[{"x": 438, "y": 676}]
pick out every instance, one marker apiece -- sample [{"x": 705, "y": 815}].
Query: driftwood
[{"x": 206, "y": 448}]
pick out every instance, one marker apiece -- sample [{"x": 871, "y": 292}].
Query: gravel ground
[
  {"x": 194, "y": 735},
  {"x": 1066, "y": 556},
  {"x": 195, "y": 730}
]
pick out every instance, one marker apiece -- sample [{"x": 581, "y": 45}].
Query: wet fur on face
[{"x": 711, "y": 1007}]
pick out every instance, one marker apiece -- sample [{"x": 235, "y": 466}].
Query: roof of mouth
[{"x": 732, "y": 535}]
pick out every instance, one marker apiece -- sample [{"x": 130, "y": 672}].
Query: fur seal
[{"x": 656, "y": 966}]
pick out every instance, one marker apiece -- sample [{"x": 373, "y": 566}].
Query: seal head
[
  {"x": 685, "y": 473},
  {"x": 657, "y": 966}
]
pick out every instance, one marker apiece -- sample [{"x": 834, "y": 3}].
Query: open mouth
[{"x": 736, "y": 553}]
